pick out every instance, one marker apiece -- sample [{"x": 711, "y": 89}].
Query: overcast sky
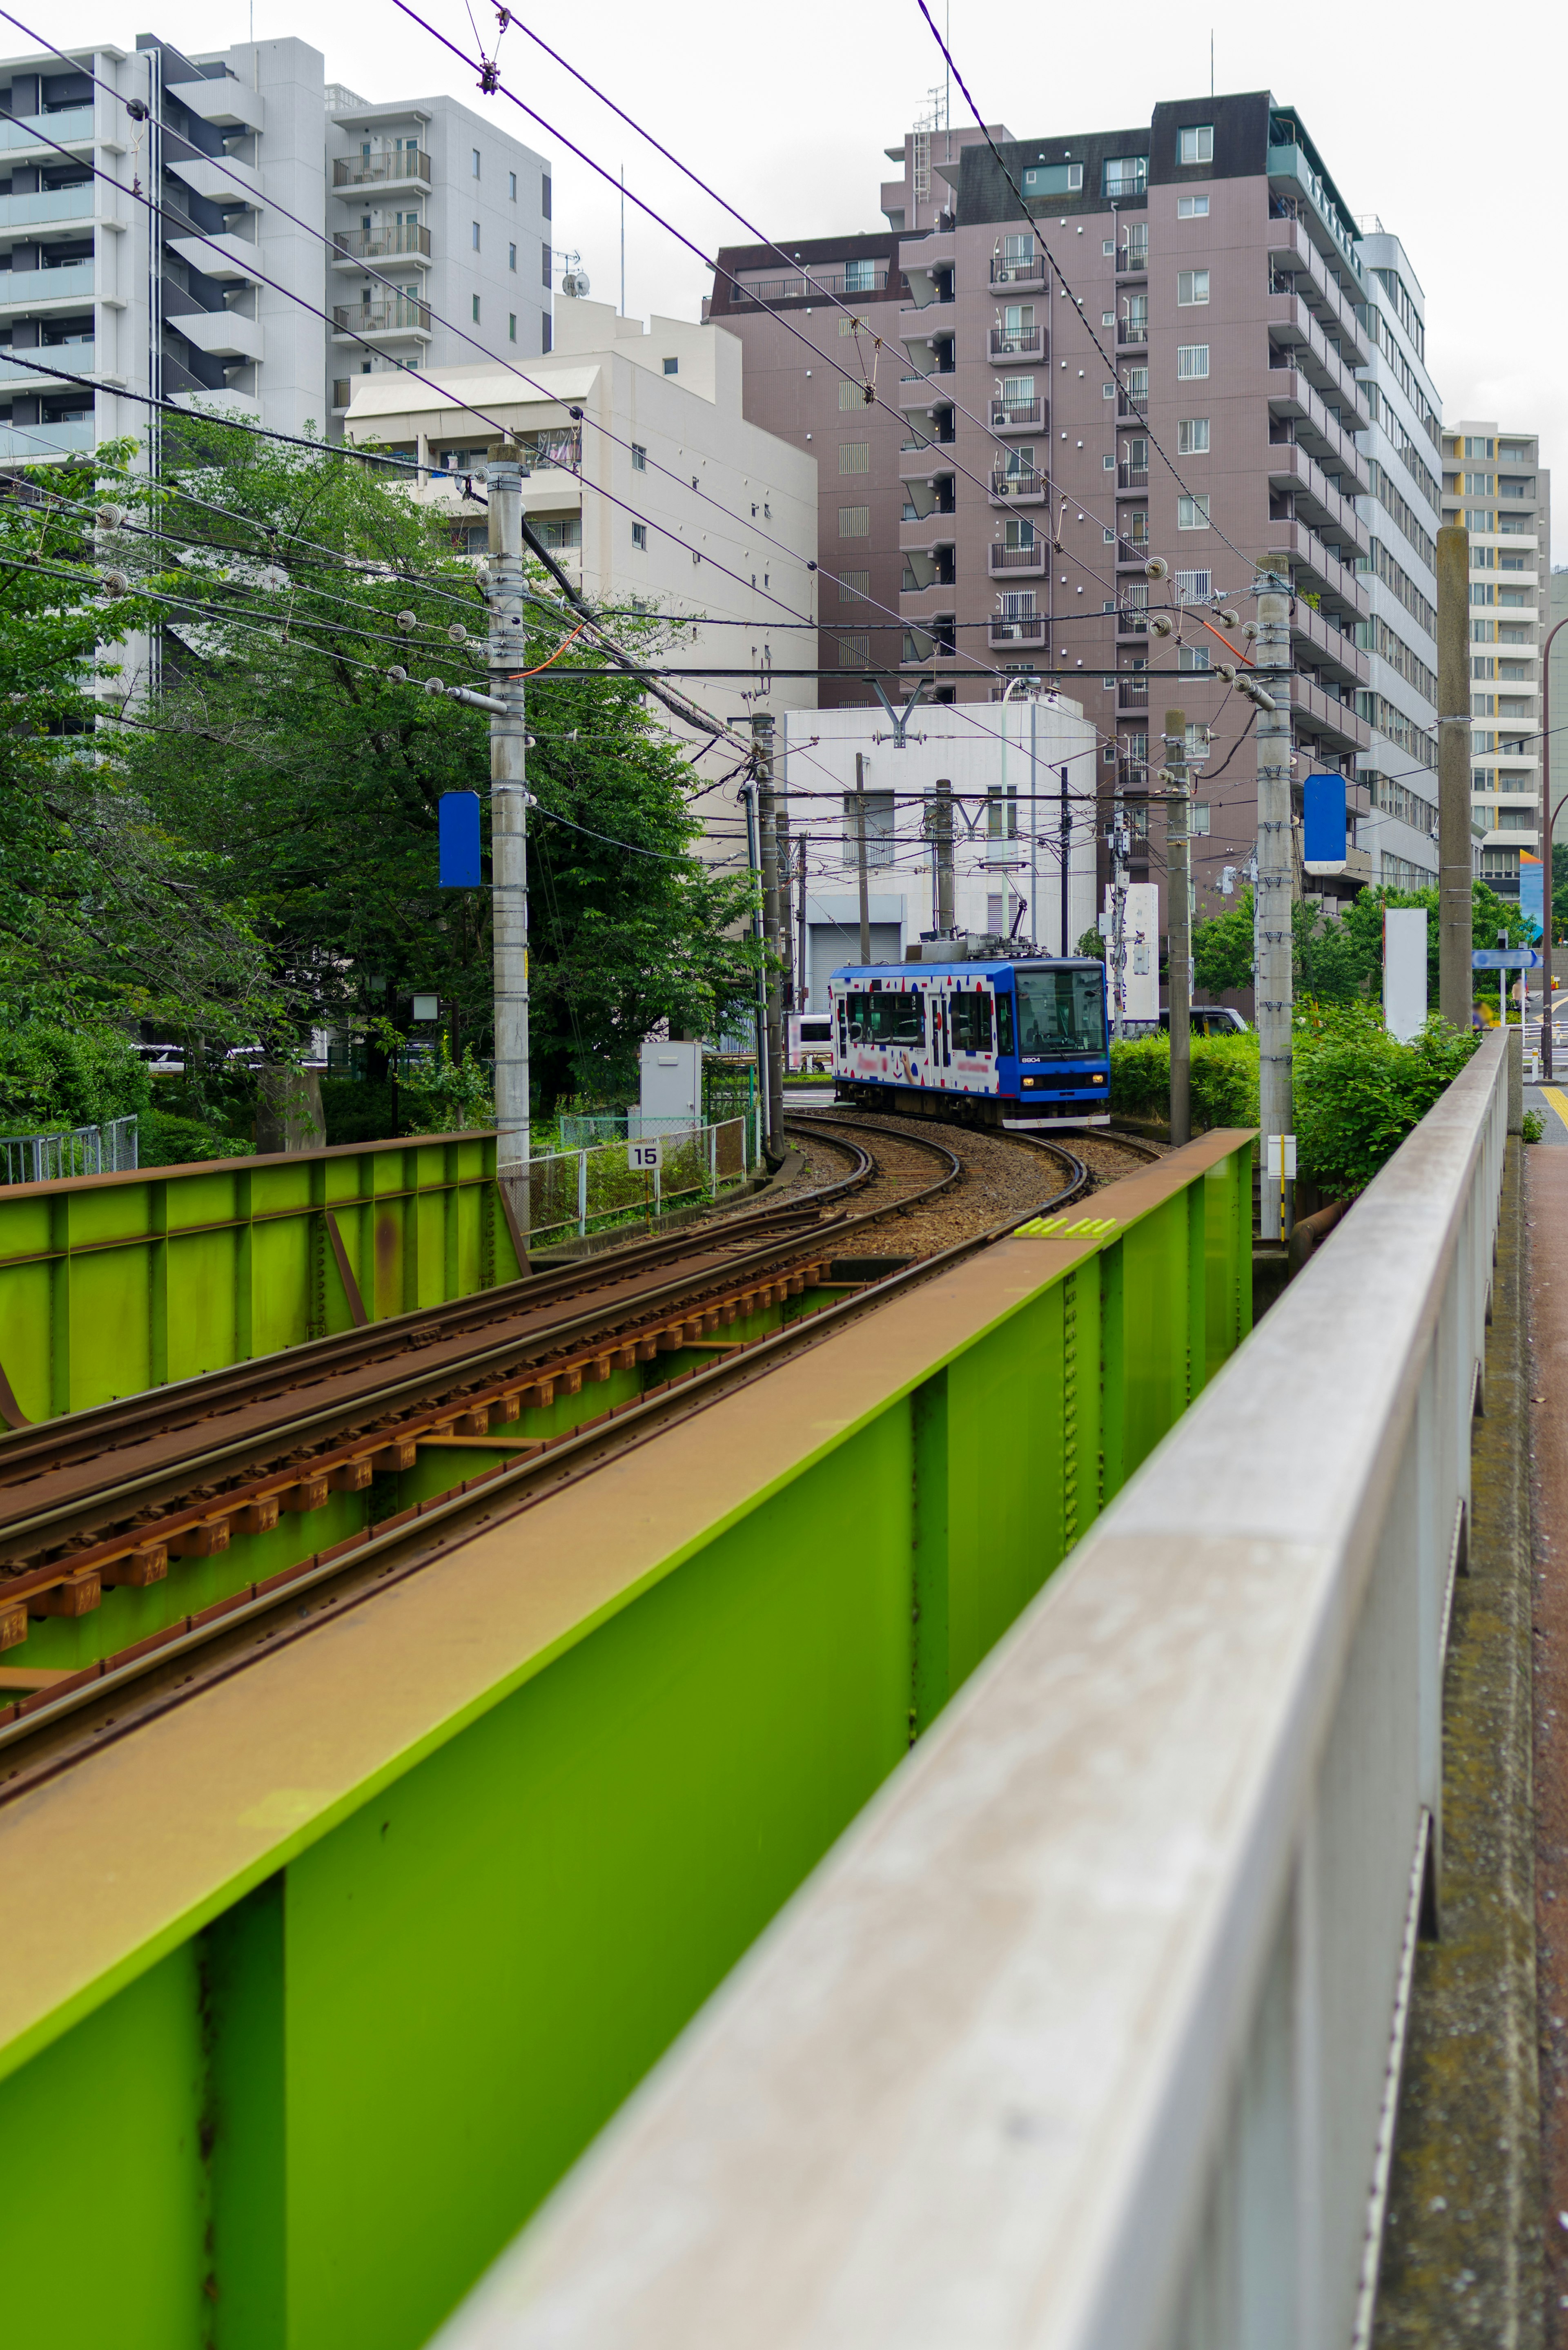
[{"x": 1448, "y": 137}]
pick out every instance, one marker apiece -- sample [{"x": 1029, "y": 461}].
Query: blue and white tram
[{"x": 997, "y": 1042}]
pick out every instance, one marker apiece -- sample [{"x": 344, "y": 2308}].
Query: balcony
[
  {"x": 1132, "y": 696},
  {"x": 1132, "y": 260},
  {"x": 1132, "y": 621},
  {"x": 1296, "y": 192},
  {"x": 1016, "y": 489},
  {"x": 1019, "y": 343},
  {"x": 31, "y": 444},
  {"x": 921, "y": 390},
  {"x": 1294, "y": 475},
  {"x": 397, "y": 317},
  {"x": 1018, "y": 415},
  {"x": 24, "y": 289},
  {"x": 47, "y": 207},
  {"x": 1029, "y": 561},
  {"x": 1291, "y": 251},
  {"x": 1336, "y": 648},
  {"x": 1021, "y": 274},
  {"x": 1299, "y": 342},
  {"x": 1132, "y": 550},
  {"x": 410, "y": 168},
  {"x": 1291, "y": 395},
  {"x": 1131, "y": 477},
  {"x": 1336, "y": 579},
  {"x": 1029, "y": 629},
  {"x": 1132, "y": 404},
  {"x": 920, "y": 454},
  {"x": 1327, "y": 719},
  {"x": 70, "y": 126},
  {"x": 356, "y": 246},
  {"x": 79, "y": 359},
  {"x": 1132, "y": 334}
]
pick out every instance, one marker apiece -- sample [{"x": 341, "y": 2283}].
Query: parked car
[{"x": 1207, "y": 1020}]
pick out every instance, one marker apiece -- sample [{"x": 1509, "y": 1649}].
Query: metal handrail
[
  {"x": 1018, "y": 558},
  {"x": 1027, "y": 412},
  {"x": 1018, "y": 273},
  {"x": 370, "y": 171},
  {"x": 402, "y": 236},
  {"x": 110, "y": 1149}
]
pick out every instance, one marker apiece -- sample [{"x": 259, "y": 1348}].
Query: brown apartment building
[{"x": 1182, "y": 383}]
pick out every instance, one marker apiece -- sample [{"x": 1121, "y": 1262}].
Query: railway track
[{"x": 112, "y": 1497}]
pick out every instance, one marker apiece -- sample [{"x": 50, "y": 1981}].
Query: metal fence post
[{"x": 581, "y": 1193}]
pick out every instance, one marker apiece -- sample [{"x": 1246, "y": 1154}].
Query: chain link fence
[{"x": 574, "y": 1192}]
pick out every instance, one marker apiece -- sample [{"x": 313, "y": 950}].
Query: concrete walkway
[{"x": 1546, "y": 1175}]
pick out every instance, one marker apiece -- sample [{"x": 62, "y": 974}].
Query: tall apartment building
[
  {"x": 650, "y": 485},
  {"x": 1494, "y": 484},
  {"x": 210, "y": 292},
  {"x": 1200, "y": 388}
]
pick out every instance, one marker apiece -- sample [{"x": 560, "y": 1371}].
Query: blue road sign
[
  {"x": 1504, "y": 958},
  {"x": 1324, "y": 820},
  {"x": 457, "y": 820}
]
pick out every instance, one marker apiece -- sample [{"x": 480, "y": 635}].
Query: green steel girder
[
  {"x": 324, "y": 1980},
  {"x": 113, "y": 1284}
]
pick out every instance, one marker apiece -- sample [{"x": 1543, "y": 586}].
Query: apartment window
[
  {"x": 1196, "y": 145},
  {"x": 854, "y": 522},
  {"x": 854, "y": 651},
  {"x": 544, "y": 263},
  {"x": 566, "y": 531},
  {"x": 1193, "y": 587},
  {"x": 1479, "y": 486},
  {"x": 1198, "y": 741},
  {"x": 1053, "y": 180},
  {"x": 854, "y": 586},
  {"x": 545, "y": 195},
  {"x": 546, "y": 334},
  {"x": 860, "y": 276},
  {"x": 1018, "y": 252},
  {"x": 1125, "y": 175},
  {"x": 855, "y": 456},
  {"x": 639, "y": 535},
  {"x": 1192, "y": 436},
  {"x": 1478, "y": 448},
  {"x": 1137, "y": 383},
  {"x": 671, "y": 366},
  {"x": 512, "y": 325},
  {"x": 1192, "y": 207},
  {"x": 1191, "y": 657},
  {"x": 1017, "y": 390},
  {"x": 476, "y": 309},
  {"x": 476, "y": 162},
  {"x": 638, "y": 458},
  {"x": 512, "y": 187},
  {"x": 1192, "y": 359},
  {"x": 1107, "y": 391},
  {"x": 1197, "y": 819},
  {"x": 511, "y": 256},
  {"x": 851, "y": 395},
  {"x": 1191, "y": 287},
  {"x": 473, "y": 235}
]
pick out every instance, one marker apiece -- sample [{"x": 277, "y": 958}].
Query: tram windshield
[{"x": 1060, "y": 1011}]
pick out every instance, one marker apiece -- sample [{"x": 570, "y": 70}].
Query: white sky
[{"x": 1448, "y": 136}]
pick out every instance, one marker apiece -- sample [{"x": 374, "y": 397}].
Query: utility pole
[
  {"x": 509, "y": 834},
  {"x": 1117, "y": 942},
  {"x": 1178, "y": 926},
  {"x": 804, "y": 929},
  {"x": 760, "y": 1009},
  {"x": 1065, "y": 829},
  {"x": 1548, "y": 816},
  {"x": 942, "y": 837},
  {"x": 1456, "y": 926},
  {"x": 860, "y": 857},
  {"x": 1275, "y": 895},
  {"x": 767, "y": 829}
]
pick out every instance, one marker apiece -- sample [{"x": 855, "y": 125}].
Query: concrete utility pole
[
  {"x": 860, "y": 856},
  {"x": 805, "y": 929},
  {"x": 1117, "y": 943},
  {"x": 942, "y": 834},
  {"x": 1178, "y": 925},
  {"x": 509, "y": 834},
  {"x": 1455, "y": 929},
  {"x": 1064, "y": 833},
  {"x": 760, "y": 1009},
  {"x": 1274, "y": 896},
  {"x": 1548, "y": 816},
  {"x": 767, "y": 830}
]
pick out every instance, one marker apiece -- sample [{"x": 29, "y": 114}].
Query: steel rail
[{"x": 252, "y": 1626}]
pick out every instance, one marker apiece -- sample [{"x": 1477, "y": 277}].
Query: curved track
[{"x": 167, "y": 1470}]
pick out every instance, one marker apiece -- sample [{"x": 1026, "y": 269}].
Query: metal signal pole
[
  {"x": 509, "y": 835},
  {"x": 1178, "y": 927}
]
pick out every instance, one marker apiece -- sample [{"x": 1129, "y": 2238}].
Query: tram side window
[
  {"x": 970, "y": 1016},
  {"x": 1004, "y": 1023},
  {"x": 859, "y": 1009},
  {"x": 895, "y": 1018}
]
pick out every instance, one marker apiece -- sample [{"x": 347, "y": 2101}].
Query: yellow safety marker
[
  {"x": 1558, "y": 1101},
  {"x": 1057, "y": 1228}
]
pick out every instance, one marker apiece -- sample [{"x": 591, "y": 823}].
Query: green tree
[
  {"x": 288, "y": 745},
  {"x": 1222, "y": 950},
  {"x": 1339, "y": 959}
]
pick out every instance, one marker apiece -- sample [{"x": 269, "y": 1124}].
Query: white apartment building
[
  {"x": 1002, "y": 764},
  {"x": 212, "y": 294},
  {"x": 648, "y": 484},
  {"x": 1402, "y": 516},
  {"x": 1494, "y": 484}
]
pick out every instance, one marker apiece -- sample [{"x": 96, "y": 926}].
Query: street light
[{"x": 1546, "y": 849}]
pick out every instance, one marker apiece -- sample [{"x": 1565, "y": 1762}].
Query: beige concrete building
[
  {"x": 648, "y": 484},
  {"x": 1494, "y": 482}
]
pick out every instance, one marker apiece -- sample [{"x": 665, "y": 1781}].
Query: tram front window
[{"x": 1061, "y": 1011}]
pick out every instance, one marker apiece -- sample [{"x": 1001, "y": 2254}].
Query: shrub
[
  {"x": 446, "y": 1096},
  {"x": 1224, "y": 1083},
  {"x": 52, "y": 1075},
  {"x": 1534, "y": 1126},
  {"x": 1359, "y": 1091},
  {"x": 358, "y": 1109},
  {"x": 165, "y": 1141}
]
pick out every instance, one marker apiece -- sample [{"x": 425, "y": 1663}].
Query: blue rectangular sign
[
  {"x": 1504, "y": 958},
  {"x": 1323, "y": 810},
  {"x": 457, "y": 818}
]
